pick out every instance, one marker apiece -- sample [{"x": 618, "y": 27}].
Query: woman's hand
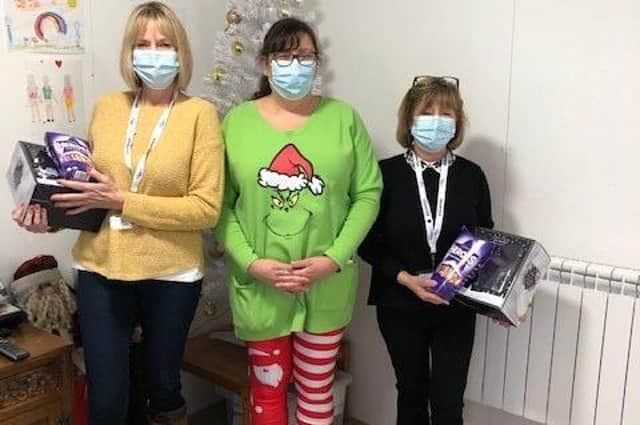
[
  {"x": 34, "y": 219},
  {"x": 279, "y": 275},
  {"x": 420, "y": 286},
  {"x": 315, "y": 268},
  {"x": 102, "y": 194}
]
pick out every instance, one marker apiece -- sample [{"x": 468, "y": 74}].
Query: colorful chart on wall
[
  {"x": 53, "y": 96},
  {"x": 45, "y": 26}
]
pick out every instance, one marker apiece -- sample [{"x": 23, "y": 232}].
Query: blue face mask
[
  {"x": 156, "y": 68},
  {"x": 432, "y": 133},
  {"x": 293, "y": 82}
]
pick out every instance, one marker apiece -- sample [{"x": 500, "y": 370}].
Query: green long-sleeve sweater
[{"x": 292, "y": 195}]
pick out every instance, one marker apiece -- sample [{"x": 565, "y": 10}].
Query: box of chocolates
[
  {"x": 504, "y": 286},
  {"x": 34, "y": 170}
]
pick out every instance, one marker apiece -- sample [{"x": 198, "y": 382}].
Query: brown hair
[
  {"x": 283, "y": 36},
  {"x": 169, "y": 25},
  {"x": 423, "y": 94}
]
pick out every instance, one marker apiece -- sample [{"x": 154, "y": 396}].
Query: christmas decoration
[
  {"x": 41, "y": 291},
  {"x": 236, "y": 71}
]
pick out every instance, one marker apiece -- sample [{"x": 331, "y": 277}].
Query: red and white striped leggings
[{"x": 311, "y": 358}]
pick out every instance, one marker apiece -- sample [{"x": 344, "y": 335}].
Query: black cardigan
[{"x": 397, "y": 241}]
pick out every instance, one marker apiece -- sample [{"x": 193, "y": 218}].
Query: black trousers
[{"x": 430, "y": 350}]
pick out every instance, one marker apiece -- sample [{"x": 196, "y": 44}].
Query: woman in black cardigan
[{"x": 429, "y": 341}]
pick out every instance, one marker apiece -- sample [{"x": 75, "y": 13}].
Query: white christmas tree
[{"x": 236, "y": 73}]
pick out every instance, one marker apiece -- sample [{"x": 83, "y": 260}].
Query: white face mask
[
  {"x": 294, "y": 81},
  {"x": 433, "y": 133},
  {"x": 156, "y": 68}
]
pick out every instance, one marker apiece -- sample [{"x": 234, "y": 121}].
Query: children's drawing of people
[
  {"x": 69, "y": 99},
  {"x": 48, "y": 99},
  {"x": 33, "y": 98}
]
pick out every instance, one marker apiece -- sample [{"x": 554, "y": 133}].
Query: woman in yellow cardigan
[{"x": 159, "y": 169}]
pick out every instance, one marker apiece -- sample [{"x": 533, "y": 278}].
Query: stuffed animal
[{"x": 40, "y": 290}]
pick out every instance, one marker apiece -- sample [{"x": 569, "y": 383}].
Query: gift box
[
  {"x": 32, "y": 178},
  {"x": 505, "y": 285}
]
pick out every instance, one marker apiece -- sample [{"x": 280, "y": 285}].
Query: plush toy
[{"x": 40, "y": 290}]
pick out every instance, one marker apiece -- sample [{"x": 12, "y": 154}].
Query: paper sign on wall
[
  {"x": 53, "y": 96},
  {"x": 45, "y": 26}
]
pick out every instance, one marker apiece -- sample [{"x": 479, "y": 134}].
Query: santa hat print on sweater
[{"x": 290, "y": 170}]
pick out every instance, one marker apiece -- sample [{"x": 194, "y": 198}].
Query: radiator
[{"x": 576, "y": 361}]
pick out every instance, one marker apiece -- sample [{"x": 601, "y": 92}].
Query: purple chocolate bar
[
  {"x": 466, "y": 256},
  {"x": 71, "y": 155}
]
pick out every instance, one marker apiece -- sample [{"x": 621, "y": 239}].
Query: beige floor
[{"x": 215, "y": 415}]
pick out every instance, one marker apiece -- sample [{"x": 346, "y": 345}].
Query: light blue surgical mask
[
  {"x": 156, "y": 68},
  {"x": 294, "y": 81},
  {"x": 432, "y": 133}
]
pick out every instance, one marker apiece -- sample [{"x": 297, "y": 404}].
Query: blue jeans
[{"x": 108, "y": 312}]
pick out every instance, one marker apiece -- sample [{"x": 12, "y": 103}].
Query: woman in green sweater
[{"x": 302, "y": 190}]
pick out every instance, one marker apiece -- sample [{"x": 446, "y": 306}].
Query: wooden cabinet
[{"x": 37, "y": 390}]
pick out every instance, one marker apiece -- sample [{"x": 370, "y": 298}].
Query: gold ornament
[
  {"x": 217, "y": 74},
  {"x": 233, "y": 17},
  {"x": 210, "y": 307},
  {"x": 237, "y": 48}
]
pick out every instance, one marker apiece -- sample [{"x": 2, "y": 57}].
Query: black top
[{"x": 397, "y": 241}]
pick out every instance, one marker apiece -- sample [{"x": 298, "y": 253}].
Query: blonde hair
[
  {"x": 423, "y": 95},
  {"x": 169, "y": 25}
]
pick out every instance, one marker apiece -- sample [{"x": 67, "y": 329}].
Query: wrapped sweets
[
  {"x": 460, "y": 265},
  {"x": 71, "y": 155}
]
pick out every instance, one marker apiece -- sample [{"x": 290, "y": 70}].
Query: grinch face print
[{"x": 290, "y": 175}]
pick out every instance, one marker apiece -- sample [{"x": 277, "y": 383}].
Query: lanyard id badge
[
  {"x": 116, "y": 221},
  {"x": 432, "y": 226}
]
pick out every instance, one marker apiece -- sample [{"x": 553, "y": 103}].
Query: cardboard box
[
  {"x": 506, "y": 284},
  {"x": 32, "y": 179}
]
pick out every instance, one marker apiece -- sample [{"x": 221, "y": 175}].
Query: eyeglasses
[
  {"x": 426, "y": 79},
  {"x": 304, "y": 59}
]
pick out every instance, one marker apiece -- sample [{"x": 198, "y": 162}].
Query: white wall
[{"x": 550, "y": 94}]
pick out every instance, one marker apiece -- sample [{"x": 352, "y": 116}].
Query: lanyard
[
  {"x": 433, "y": 229},
  {"x": 153, "y": 142}
]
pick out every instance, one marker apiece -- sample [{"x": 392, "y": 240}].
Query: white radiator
[{"x": 576, "y": 361}]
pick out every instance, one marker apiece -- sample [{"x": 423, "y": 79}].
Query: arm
[
  {"x": 365, "y": 188},
  {"x": 484, "y": 205},
  {"x": 229, "y": 231},
  {"x": 200, "y": 208},
  {"x": 375, "y": 249}
]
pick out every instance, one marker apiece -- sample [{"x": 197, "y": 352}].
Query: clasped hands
[{"x": 295, "y": 277}]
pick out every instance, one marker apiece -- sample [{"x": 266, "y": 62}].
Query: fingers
[
  {"x": 37, "y": 215},
  {"x": 102, "y": 178},
  {"x": 44, "y": 219},
  {"x": 76, "y": 185},
  {"x": 291, "y": 287},
  {"x": 432, "y": 298},
  {"x": 426, "y": 283},
  {"x": 291, "y": 279},
  {"x": 73, "y": 204},
  {"x": 18, "y": 213},
  {"x": 76, "y": 211},
  {"x": 301, "y": 264},
  {"x": 28, "y": 218},
  {"x": 67, "y": 197}
]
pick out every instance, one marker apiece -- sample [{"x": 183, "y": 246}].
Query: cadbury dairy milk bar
[
  {"x": 466, "y": 256},
  {"x": 71, "y": 155}
]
